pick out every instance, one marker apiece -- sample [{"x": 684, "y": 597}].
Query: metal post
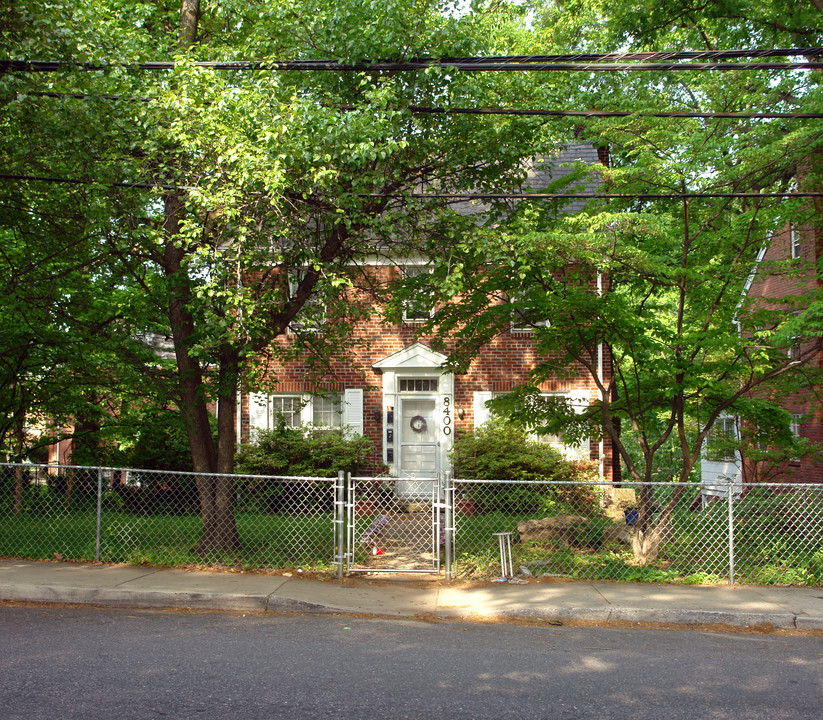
[
  {"x": 731, "y": 532},
  {"x": 350, "y": 537},
  {"x": 504, "y": 541},
  {"x": 340, "y": 522},
  {"x": 437, "y": 520},
  {"x": 99, "y": 513},
  {"x": 449, "y": 501}
]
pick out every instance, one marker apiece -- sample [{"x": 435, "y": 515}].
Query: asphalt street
[{"x": 90, "y": 663}]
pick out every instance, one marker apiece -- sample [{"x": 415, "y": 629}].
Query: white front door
[
  {"x": 418, "y": 447},
  {"x": 418, "y": 437}
]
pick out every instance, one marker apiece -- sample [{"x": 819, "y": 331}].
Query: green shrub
[
  {"x": 297, "y": 451},
  {"x": 306, "y": 451},
  {"x": 500, "y": 450},
  {"x": 161, "y": 443}
]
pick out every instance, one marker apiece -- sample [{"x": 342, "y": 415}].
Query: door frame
[{"x": 415, "y": 361}]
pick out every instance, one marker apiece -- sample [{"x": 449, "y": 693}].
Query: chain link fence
[
  {"x": 123, "y": 515},
  {"x": 691, "y": 533},
  {"x": 661, "y": 532}
]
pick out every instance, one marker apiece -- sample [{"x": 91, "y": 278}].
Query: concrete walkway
[{"x": 410, "y": 596}]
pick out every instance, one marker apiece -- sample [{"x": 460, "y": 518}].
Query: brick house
[
  {"x": 800, "y": 244},
  {"x": 397, "y": 394}
]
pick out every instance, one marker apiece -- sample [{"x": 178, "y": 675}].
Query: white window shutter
[
  {"x": 258, "y": 411},
  {"x": 353, "y": 409},
  {"x": 306, "y": 410},
  {"x": 481, "y": 411}
]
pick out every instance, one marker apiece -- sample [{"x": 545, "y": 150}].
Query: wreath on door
[{"x": 418, "y": 424}]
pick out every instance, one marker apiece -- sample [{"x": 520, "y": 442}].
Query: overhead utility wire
[
  {"x": 332, "y": 66},
  {"x": 75, "y": 181},
  {"x": 590, "y": 196},
  {"x": 502, "y": 63},
  {"x": 655, "y": 55},
  {"x": 453, "y": 196},
  {"x": 423, "y": 110},
  {"x": 606, "y": 113}
]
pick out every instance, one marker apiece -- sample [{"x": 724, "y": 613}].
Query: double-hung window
[
  {"x": 419, "y": 305},
  {"x": 721, "y": 441},
  {"x": 334, "y": 409},
  {"x": 482, "y": 413},
  {"x": 524, "y": 318},
  {"x": 794, "y": 240},
  {"x": 312, "y": 315},
  {"x": 295, "y": 409}
]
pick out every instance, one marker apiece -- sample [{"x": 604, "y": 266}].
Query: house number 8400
[{"x": 447, "y": 416}]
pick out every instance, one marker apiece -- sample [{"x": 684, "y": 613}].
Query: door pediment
[{"x": 414, "y": 356}]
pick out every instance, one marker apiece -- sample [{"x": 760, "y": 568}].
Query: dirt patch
[{"x": 401, "y": 541}]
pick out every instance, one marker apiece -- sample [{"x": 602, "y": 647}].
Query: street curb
[
  {"x": 161, "y": 599},
  {"x": 668, "y": 616},
  {"x": 133, "y": 598},
  {"x": 705, "y": 617},
  {"x": 809, "y": 622},
  {"x": 272, "y": 603}
]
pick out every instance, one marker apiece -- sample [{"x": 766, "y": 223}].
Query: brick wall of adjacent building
[{"x": 782, "y": 284}]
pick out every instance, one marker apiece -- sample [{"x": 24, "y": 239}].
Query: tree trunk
[
  {"x": 650, "y": 531},
  {"x": 216, "y": 492},
  {"x": 219, "y": 524}
]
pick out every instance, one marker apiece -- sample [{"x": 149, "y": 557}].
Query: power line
[
  {"x": 598, "y": 196},
  {"x": 652, "y": 55},
  {"x": 608, "y": 113},
  {"x": 423, "y": 110},
  {"x": 565, "y": 63},
  {"x": 75, "y": 181},
  {"x": 456, "y": 196}
]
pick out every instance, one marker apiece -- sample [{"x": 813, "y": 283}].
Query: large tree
[
  {"x": 646, "y": 293},
  {"x": 271, "y": 189}
]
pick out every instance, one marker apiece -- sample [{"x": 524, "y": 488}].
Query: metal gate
[{"x": 384, "y": 532}]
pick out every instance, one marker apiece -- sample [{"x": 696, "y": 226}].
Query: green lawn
[
  {"x": 777, "y": 541},
  {"x": 268, "y": 540}
]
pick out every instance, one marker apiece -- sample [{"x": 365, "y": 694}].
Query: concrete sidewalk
[{"x": 408, "y": 596}]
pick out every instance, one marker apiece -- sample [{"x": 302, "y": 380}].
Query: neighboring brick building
[
  {"x": 800, "y": 244},
  {"x": 399, "y": 396}
]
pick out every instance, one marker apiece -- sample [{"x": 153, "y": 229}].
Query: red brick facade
[
  {"x": 501, "y": 365},
  {"x": 800, "y": 244}
]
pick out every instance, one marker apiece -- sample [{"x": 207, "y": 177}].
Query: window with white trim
[
  {"x": 720, "y": 443},
  {"x": 524, "y": 319},
  {"x": 312, "y": 315},
  {"x": 420, "y": 307},
  {"x": 793, "y": 350},
  {"x": 419, "y": 384},
  {"x": 482, "y": 413},
  {"x": 327, "y": 410},
  {"x": 295, "y": 409},
  {"x": 794, "y": 239},
  {"x": 286, "y": 407}
]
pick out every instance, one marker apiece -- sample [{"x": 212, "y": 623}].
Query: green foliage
[
  {"x": 159, "y": 441},
  {"x": 304, "y": 451},
  {"x": 655, "y": 285},
  {"x": 500, "y": 450}
]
